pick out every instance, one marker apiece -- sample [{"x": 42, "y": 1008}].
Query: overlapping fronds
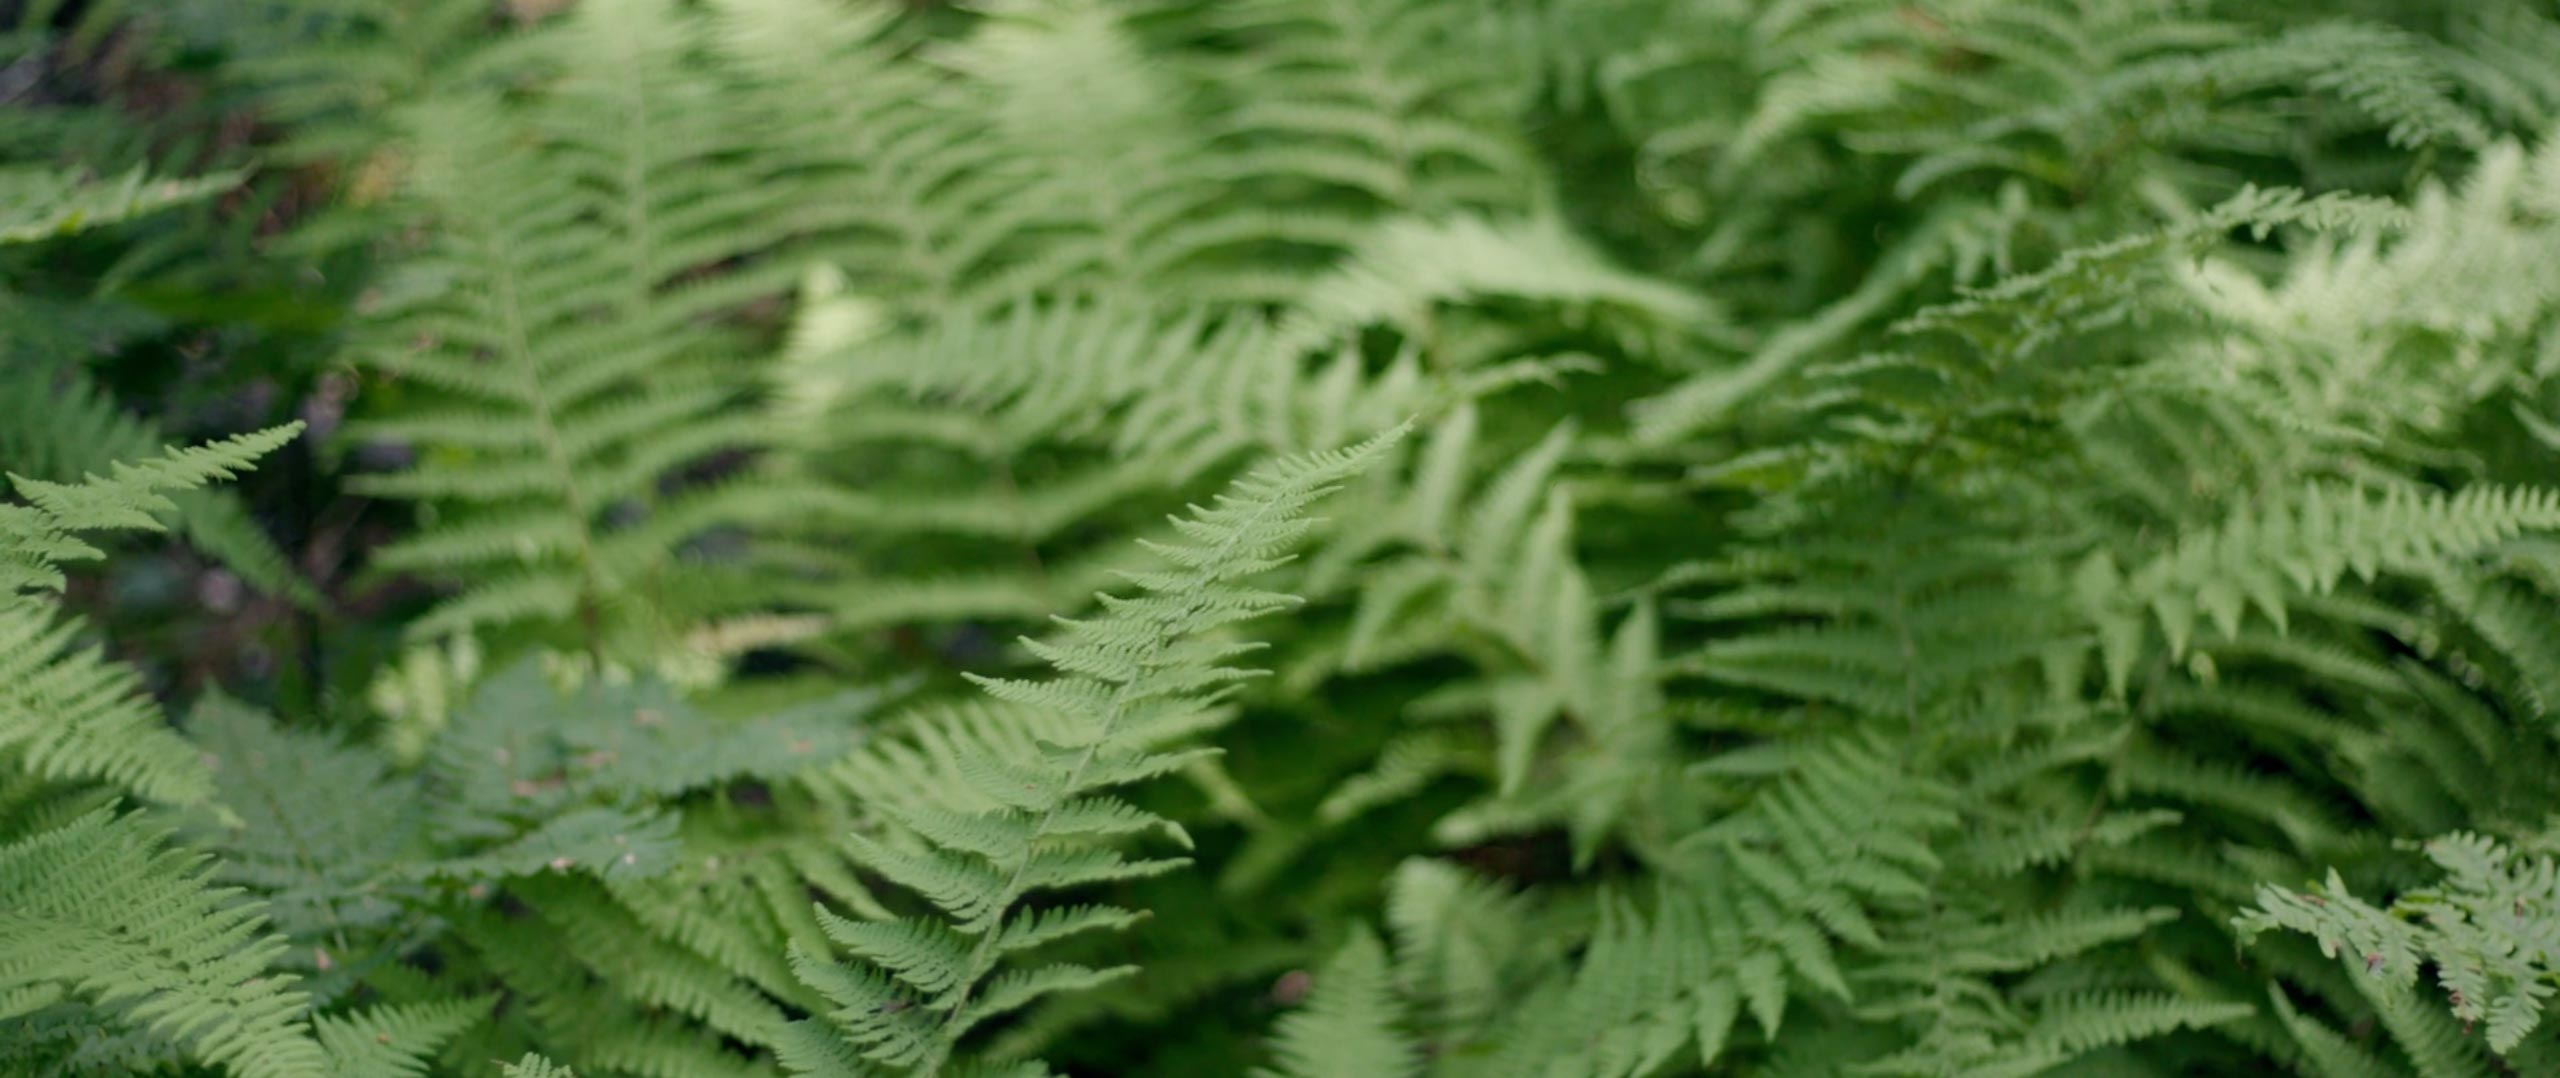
[
  {"x": 318, "y": 828},
  {"x": 1395, "y": 101}
]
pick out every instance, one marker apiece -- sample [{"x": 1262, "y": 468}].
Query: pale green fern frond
[
  {"x": 1143, "y": 668},
  {"x": 1390, "y": 100},
  {"x": 1347, "y": 1029},
  {"x": 534, "y": 1066},
  {"x": 59, "y": 425},
  {"x": 2263, "y": 555},
  {"x": 318, "y": 828},
  {"x": 1110, "y": 136},
  {"x": 394, "y": 1040},
  {"x": 1406, "y": 267},
  {"x": 2490, "y": 928},
  {"x": 41, "y": 203},
  {"x": 560, "y": 333},
  {"x": 1464, "y": 945},
  {"x": 68, "y": 714},
  {"x": 102, "y": 911},
  {"x": 37, "y": 537}
]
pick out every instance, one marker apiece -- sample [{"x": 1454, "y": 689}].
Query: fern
[
  {"x": 62, "y": 426},
  {"x": 1381, "y": 99},
  {"x": 41, "y": 534},
  {"x": 102, "y": 911},
  {"x": 1141, "y": 671},
  {"x": 534, "y": 1066},
  {"x": 1915, "y": 511},
  {"x": 107, "y": 924},
  {"x": 560, "y": 271},
  {"x": 640, "y": 903},
  {"x": 2485, "y": 929},
  {"x": 2258, "y": 559},
  {"x": 393, "y": 1041},
  {"x": 1348, "y": 1025},
  {"x": 38, "y": 203}
]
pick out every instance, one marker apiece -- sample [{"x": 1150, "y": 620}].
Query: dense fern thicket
[{"x": 1296, "y": 538}]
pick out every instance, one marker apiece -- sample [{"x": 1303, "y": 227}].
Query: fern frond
[
  {"x": 1407, "y": 266},
  {"x": 569, "y": 364},
  {"x": 102, "y": 909},
  {"x": 318, "y": 828},
  {"x": 1108, "y": 136},
  {"x": 1138, "y": 671},
  {"x": 2309, "y": 543},
  {"x": 2491, "y": 929},
  {"x": 41, "y": 203},
  {"x": 66, "y": 713},
  {"x": 534, "y": 1066},
  {"x": 1348, "y": 1027},
  {"x": 1382, "y": 99},
  {"x": 902, "y": 180},
  {"x": 60, "y": 425},
  {"x": 37, "y": 537},
  {"x": 395, "y": 1040}
]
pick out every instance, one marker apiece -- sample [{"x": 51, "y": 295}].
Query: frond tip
[{"x": 37, "y": 537}]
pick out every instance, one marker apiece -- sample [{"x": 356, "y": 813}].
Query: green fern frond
[
  {"x": 102, "y": 910},
  {"x": 37, "y": 537},
  {"x": 1143, "y": 668},
  {"x": 60, "y": 425},
  {"x": 2263, "y": 555},
  {"x": 2327, "y": 1050},
  {"x": 2390, "y": 75},
  {"x": 67, "y": 713},
  {"x": 1635, "y": 999},
  {"x": 1464, "y": 945},
  {"x": 318, "y": 828},
  {"x": 901, "y": 179},
  {"x": 1384, "y": 99},
  {"x": 2488, "y": 929},
  {"x": 1182, "y": 386},
  {"x": 41, "y": 203},
  {"x": 1408, "y": 266},
  {"x": 522, "y": 746},
  {"x": 394, "y": 1040},
  {"x": 1109, "y": 137},
  {"x": 322, "y": 69},
  {"x": 534, "y": 1066},
  {"x": 1348, "y": 1027},
  {"x": 568, "y": 363},
  {"x": 2019, "y": 315}
]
